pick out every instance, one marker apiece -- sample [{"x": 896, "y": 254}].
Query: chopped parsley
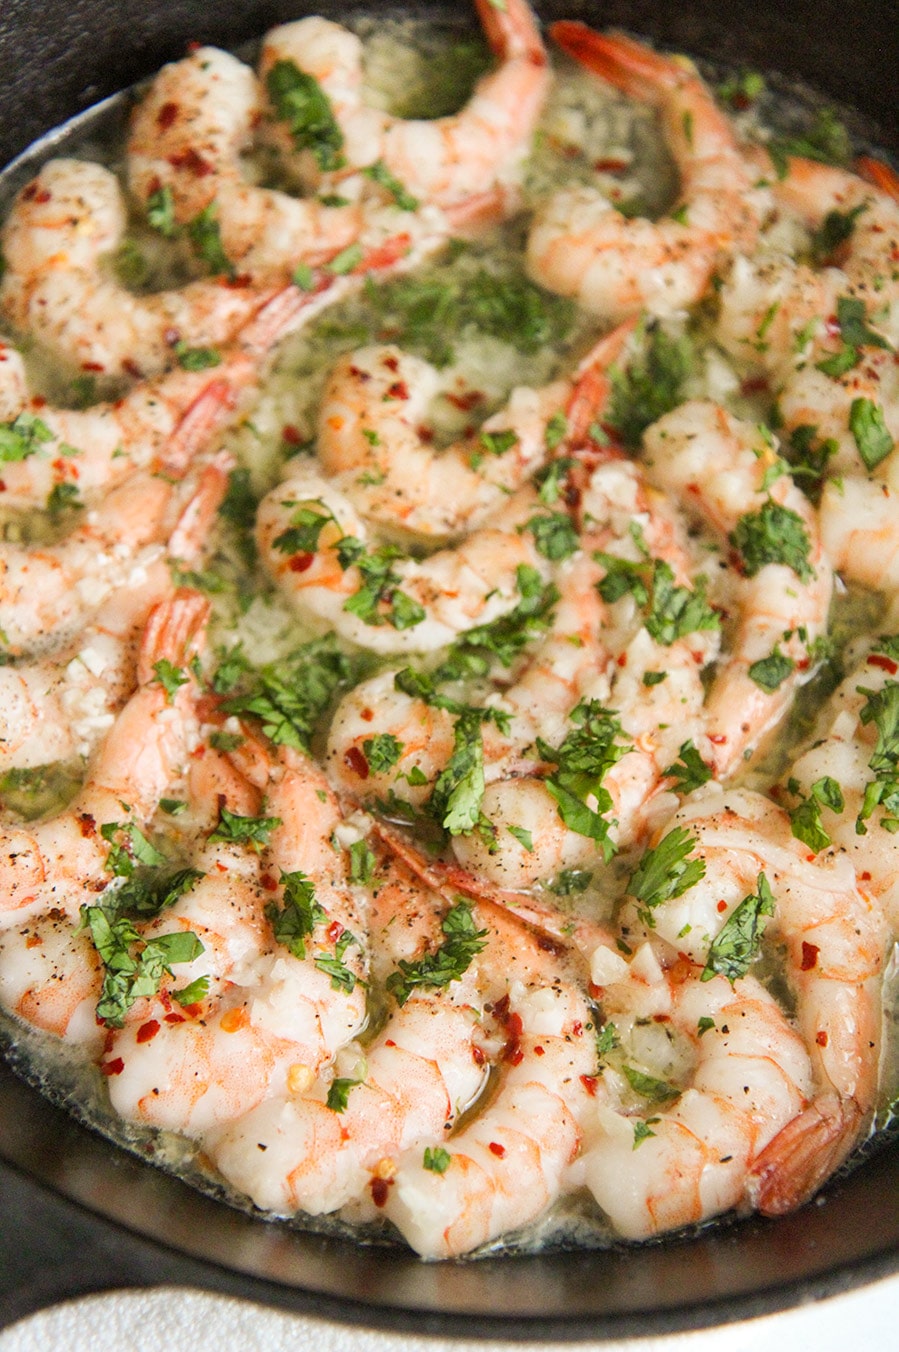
[
  {"x": 339, "y": 1093},
  {"x": 648, "y": 1087},
  {"x": 447, "y": 963},
  {"x": 170, "y": 677},
  {"x": 196, "y": 358},
  {"x": 161, "y": 212},
  {"x": 459, "y": 788},
  {"x": 299, "y": 100},
  {"x": 769, "y": 673},
  {"x": 382, "y": 752},
  {"x": 583, "y": 758},
  {"x": 689, "y": 771},
  {"x": 436, "y": 1159},
  {"x": 882, "y": 709},
  {"x": 870, "y": 432},
  {"x": 523, "y": 836},
  {"x": 379, "y": 600},
  {"x": 836, "y": 228},
  {"x": 380, "y": 174},
  {"x": 825, "y": 140},
  {"x": 554, "y": 535},
  {"x": 23, "y": 437},
  {"x": 737, "y": 943},
  {"x": 571, "y": 881},
  {"x": 128, "y": 847},
  {"x": 855, "y": 334},
  {"x": 307, "y": 522},
  {"x": 808, "y": 457},
  {"x": 805, "y": 818},
  {"x": 773, "y": 534},
  {"x": 362, "y": 863},
  {"x": 205, "y": 236},
  {"x": 665, "y": 873},
  {"x": 643, "y": 1130},
  {"x": 253, "y": 832},
  {"x": 652, "y": 384},
  {"x": 295, "y": 919},
  {"x": 288, "y": 696},
  {"x": 670, "y": 612},
  {"x": 63, "y": 498}
]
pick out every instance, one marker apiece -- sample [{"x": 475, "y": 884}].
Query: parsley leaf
[
  {"x": 665, "y": 873},
  {"x": 836, "y": 228},
  {"x": 294, "y": 921},
  {"x": 23, "y": 437},
  {"x": 253, "y": 832},
  {"x": 161, "y": 212},
  {"x": 826, "y": 141},
  {"x": 805, "y": 818},
  {"x": 382, "y": 752},
  {"x": 671, "y": 612},
  {"x": 299, "y": 100},
  {"x": 436, "y": 1159},
  {"x": 459, "y": 788},
  {"x": 737, "y": 943},
  {"x": 339, "y": 1093},
  {"x": 379, "y": 600},
  {"x": 657, "y": 1091},
  {"x": 380, "y": 174},
  {"x": 205, "y": 235},
  {"x": 773, "y": 534},
  {"x": 170, "y": 677},
  {"x": 583, "y": 758},
  {"x": 652, "y": 384},
  {"x": 870, "y": 432},
  {"x": 882, "y": 709},
  {"x": 554, "y": 535},
  {"x": 769, "y": 673},
  {"x": 689, "y": 771},
  {"x": 571, "y": 881},
  {"x": 288, "y": 696},
  {"x": 447, "y": 963}
]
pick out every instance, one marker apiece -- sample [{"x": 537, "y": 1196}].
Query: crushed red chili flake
[
  {"x": 354, "y": 759},
  {"x": 398, "y": 390},
  {"x": 590, "y": 1083},
  {"x": 176, "y": 1018},
  {"x": 379, "y": 1191},
  {"x": 498, "y": 1150},
  {"x": 291, "y": 435},
  {"x": 821, "y": 1038},
  {"x": 299, "y": 563},
  {"x": 167, "y": 114},
  {"x": 113, "y": 1067},
  {"x": 886, "y": 663},
  {"x": 148, "y": 1030},
  {"x": 722, "y": 906},
  {"x": 809, "y": 956}
]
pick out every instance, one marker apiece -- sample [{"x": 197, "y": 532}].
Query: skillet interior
[{"x": 58, "y": 58}]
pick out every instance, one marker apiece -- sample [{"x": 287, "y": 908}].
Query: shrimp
[
  {"x": 58, "y": 707},
  {"x": 835, "y": 939},
  {"x": 316, "y": 548},
  {"x": 581, "y": 246},
  {"x": 50, "y": 977},
  {"x": 158, "y": 426},
  {"x": 62, "y": 862},
  {"x": 62, "y": 226},
  {"x": 448, "y": 161},
  {"x": 275, "y": 1010},
  {"x": 737, "y": 1069},
  {"x": 733, "y": 481},
  {"x": 370, "y": 439},
  {"x": 844, "y": 776}
]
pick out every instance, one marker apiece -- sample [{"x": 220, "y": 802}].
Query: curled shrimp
[
  {"x": 274, "y": 1012},
  {"x": 738, "y": 1071},
  {"x": 581, "y": 246},
  {"x": 835, "y": 939},
  {"x": 445, "y": 161},
  {"x": 62, "y": 226},
  {"x": 58, "y": 707},
  {"x": 317, "y": 549},
  {"x": 734, "y": 483},
  {"x": 370, "y": 437},
  {"x": 158, "y": 426},
  {"x": 60, "y": 863}
]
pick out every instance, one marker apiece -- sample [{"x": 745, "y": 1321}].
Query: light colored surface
[{"x": 145, "y": 1321}]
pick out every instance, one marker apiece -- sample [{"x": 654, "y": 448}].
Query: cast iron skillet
[{"x": 58, "y": 58}]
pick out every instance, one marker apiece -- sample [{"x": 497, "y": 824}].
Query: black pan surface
[{"x": 57, "y": 59}]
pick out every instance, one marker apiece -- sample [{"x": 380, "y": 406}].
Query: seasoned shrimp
[
  {"x": 732, "y": 480},
  {"x": 316, "y": 548},
  {"x": 419, "y": 1073},
  {"x": 370, "y": 437},
  {"x": 159, "y": 425},
  {"x": 448, "y": 160},
  {"x": 62, "y": 226},
  {"x": 738, "y": 1070},
  {"x": 50, "y": 976},
  {"x": 57, "y": 708},
  {"x": 274, "y": 1012},
  {"x": 62, "y": 862},
  {"x": 844, "y": 777},
  {"x": 835, "y": 939},
  {"x": 581, "y": 246}
]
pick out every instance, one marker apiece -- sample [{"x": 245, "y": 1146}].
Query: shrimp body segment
[
  {"x": 446, "y": 161},
  {"x": 582, "y": 246}
]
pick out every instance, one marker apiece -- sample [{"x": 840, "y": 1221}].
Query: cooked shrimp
[
  {"x": 316, "y": 548},
  {"x": 370, "y": 437},
  {"x": 58, "y": 708},
  {"x": 62, "y": 862},
  {"x": 738, "y": 1070},
  {"x": 732, "y": 480},
  {"x": 581, "y": 246},
  {"x": 419, "y": 1073},
  {"x": 271, "y": 1016},
  {"x": 50, "y": 976},
  {"x": 851, "y": 728},
  {"x": 834, "y": 937},
  {"x": 159, "y": 425},
  {"x": 446, "y": 161},
  {"x": 62, "y": 226}
]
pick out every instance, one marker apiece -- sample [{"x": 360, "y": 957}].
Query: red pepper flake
[
  {"x": 809, "y": 956},
  {"x": 425, "y": 433},
  {"x": 821, "y": 1038},
  {"x": 478, "y": 1055},
  {"x": 92, "y": 366},
  {"x": 886, "y": 663},
  {"x": 610, "y": 165},
  {"x": 354, "y": 760},
  {"x": 465, "y": 402},
  {"x": 389, "y": 1042},
  {"x": 87, "y": 825},
  {"x": 291, "y": 435},
  {"x": 621, "y": 659},
  {"x": 539, "y": 1051},
  {"x": 300, "y": 562},
  {"x": 191, "y": 160},
  {"x": 148, "y": 1030},
  {"x": 498, "y": 1150},
  {"x": 864, "y": 877},
  {"x": 719, "y": 738},
  {"x": 392, "y": 363},
  {"x": 379, "y": 1191},
  {"x": 754, "y": 385},
  {"x": 722, "y": 906},
  {"x": 131, "y": 368},
  {"x": 43, "y": 197},
  {"x": 175, "y": 1018},
  {"x": 334, "y": 931},
  {"x": 398, "y": 390},
  {"x": 590, "y": 1083},
  {"x": 269, "y": 882},
  {"x": 113, "y": 1067},
  {"x": 167, "y": 114},
  {"x": 367, "y": 715}
]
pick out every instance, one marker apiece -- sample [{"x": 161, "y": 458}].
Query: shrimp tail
[
  {"x": 195, "y": 521},
  {"x": 175, "y": 632},
  {"x": 209, "y": 411},
  {"x": 803, "y": 1154},
  {"x": 592, "y": 385},
  {"x": 624, "y": 63},
  {"x": 512, "y": 31},
  {"x": 880, "y": 174}
]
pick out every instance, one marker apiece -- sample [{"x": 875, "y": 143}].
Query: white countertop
[{"x": 166, "y": 1317}]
